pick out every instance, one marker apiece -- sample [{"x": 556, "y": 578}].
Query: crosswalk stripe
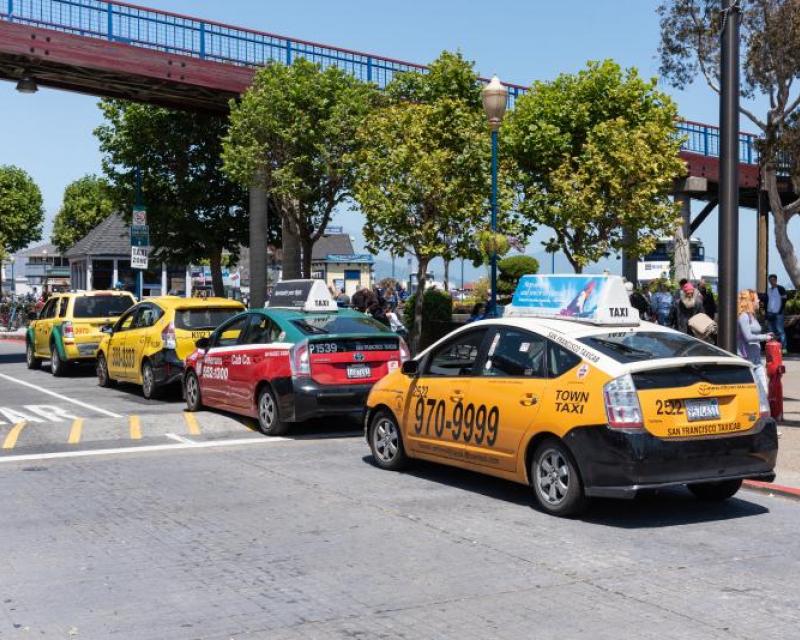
[
  {"x": 135, "y": 428},
  {"x": 75, "y": 431},
  {"x": 11, "y": 439},
  {"x": 191, "y": 423}
]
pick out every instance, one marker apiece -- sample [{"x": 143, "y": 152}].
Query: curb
[{"x": 774, "y": 489}]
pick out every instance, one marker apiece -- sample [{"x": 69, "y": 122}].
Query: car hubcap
[
  {"x": 30, "y": 354},
  {"x": 267, "y": 410},
  {"x": 553, "y": 478},
  {"x": 191, "y": 390},
  {"x": 148, "y": 380},
  {"x": 386, "y": 440},
  {"x": 55, "y": 361},
  {"x": 101, "y": 369}
]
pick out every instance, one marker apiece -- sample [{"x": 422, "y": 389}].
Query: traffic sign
[
  {"x": 139, "y": 217},
  {"x": 139, "y": 257},
  {"x": 140, "y": 236}
]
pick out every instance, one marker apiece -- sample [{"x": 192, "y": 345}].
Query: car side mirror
[
  {"x": 202, "y": 344},
  {"x": 107, "y": 328},
  {"x": 410, "y": 368}
]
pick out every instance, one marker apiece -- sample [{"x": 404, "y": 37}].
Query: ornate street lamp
[{"x": 495, "y": 99}]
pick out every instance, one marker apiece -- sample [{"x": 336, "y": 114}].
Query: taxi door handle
[
  {"x": 529, "y": 400},
  {"x": 457, "y": 396}
]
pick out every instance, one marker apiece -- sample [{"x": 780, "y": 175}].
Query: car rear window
[
  {"x": 321, "y": 324},
  {"x": 203, "y": 317},
  {"x": 101, "y": 306},
  {"x": 638, "y": 346}
]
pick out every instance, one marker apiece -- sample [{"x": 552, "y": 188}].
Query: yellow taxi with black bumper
[
  {"x": 149, "y": 343},
  {"x": 570, "y": 393},
  {"x": 69, "y": 327}
]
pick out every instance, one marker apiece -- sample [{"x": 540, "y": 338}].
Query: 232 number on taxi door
[{"x": 478, "y": 424}]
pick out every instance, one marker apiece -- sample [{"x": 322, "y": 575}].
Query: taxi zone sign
[{"x": 139, "y": 257}]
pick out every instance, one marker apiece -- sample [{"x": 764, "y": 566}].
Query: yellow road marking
[
  {"x": 11, "y": 439},
  {"x": 191, "y": 423},
  {"x": 75, "y": 431},
  {"x": 135, "y": 428}
]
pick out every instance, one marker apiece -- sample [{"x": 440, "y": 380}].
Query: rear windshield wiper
[{"x": 624, "y": 348}]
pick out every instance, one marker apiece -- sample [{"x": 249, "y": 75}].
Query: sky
[{"x": 49, "y": 134}]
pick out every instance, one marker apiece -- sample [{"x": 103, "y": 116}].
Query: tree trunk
[
  {"x": 782, "y": 241},
  {"x": 216, "y": 273},
  {"x": 682, "y": 256},
  {"x": 447, "y": 275},
  {"x": 416, "y": 329},
  {"x": 308, "y": 247},
  {"x": 291, "y": 250}
]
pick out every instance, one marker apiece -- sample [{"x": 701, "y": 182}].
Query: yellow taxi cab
[
  {"x": 570, "y": 393},
  {"x": 149, "y": 343},
  {"x": 68, "y": 328}
]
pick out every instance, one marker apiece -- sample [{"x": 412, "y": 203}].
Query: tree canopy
[
  {"x": 194, "y": 211},
  {"x": 596, "y": 153},
  {"x": 87, "y": 202},
  {"x": 770, "y": 61},
  {"x": 21, "y": 210},
  {"x": 294, "y": 131}
]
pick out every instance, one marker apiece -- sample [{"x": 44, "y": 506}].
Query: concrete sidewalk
[{"x": 789, "y": 444}]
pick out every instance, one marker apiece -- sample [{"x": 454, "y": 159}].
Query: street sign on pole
[
  {"x": 140, "y": 236},
  {"x": 139, "y": 217},
  {"x": 139, "y": 257}
]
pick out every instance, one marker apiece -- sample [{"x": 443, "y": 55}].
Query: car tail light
[
  {"x": 764, "y": 410},
  {"x": 68, "y": 331},
  {"x": 622, "y": 404},
  {"x": 168, "y": 337},
  {"x": 405, "y": 352},
  {"x": 301, "y": 367}
]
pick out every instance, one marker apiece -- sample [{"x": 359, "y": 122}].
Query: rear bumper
[
  {"x": 167, "y": 367},
  {"x": 617, "y": 464},
  {"x": 81, "y": 350},
  {"x": 300, "y": 400}
]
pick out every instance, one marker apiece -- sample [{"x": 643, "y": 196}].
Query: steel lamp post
[{"x": 495, "y": 99}]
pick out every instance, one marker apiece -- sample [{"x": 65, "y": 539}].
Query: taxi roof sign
[
  {"x": 305, "y": 295},
  {"x": 592, "y": 299}
]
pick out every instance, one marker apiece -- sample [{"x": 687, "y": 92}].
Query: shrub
[
  {"x": 511, "y": 269},
  {"x": 437, "y": 314}
]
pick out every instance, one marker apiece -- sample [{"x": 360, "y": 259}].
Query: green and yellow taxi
[
  {"x": 69, "y": 327},
  {"x": 148, "y": 344}
]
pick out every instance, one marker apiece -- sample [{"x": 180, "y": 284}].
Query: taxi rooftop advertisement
[{"x": 591, "y": 298}]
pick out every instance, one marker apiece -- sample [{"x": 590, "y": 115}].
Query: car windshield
[
  {"x": 636, "y": 346},
  {"x": 321, "y": 324},
  {"x": 203, "y": 317},
  {"x": 101, "y": 306}
]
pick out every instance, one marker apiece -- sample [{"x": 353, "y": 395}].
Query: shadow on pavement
[
  {"x": 12, "y": 358},
  {"x": 318, "y": 428},
  {"x": 649, "y": 509}
]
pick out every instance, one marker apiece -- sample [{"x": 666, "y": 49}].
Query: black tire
[
  {"x": 386, "y": 441},
  {"x": 57, "y": 366},
  {"x": 715, "y": 491},
  {"x": 30, "y": 357},
  {"x": 150, "y": 390},
  {"x": 191, "y": 392},
  {"x": 269, "y": 420},
  {"x": 556, "y": 481},
  {"x": 103, "y": 379}
]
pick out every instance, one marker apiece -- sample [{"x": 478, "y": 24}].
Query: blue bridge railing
[{"x": 208, "y": 40}]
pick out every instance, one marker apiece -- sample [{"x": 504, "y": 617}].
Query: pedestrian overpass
[{"x": 119, "y": 50}]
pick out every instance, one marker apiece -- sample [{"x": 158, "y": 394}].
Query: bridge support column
[
  {"x": 762, "y": 241},
  {"x": 683, "y": 234},
  {"x": 258, "y": 245}
]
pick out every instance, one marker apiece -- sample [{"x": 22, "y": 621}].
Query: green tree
[
  {"x": 294, "y": 130},
  {"x": 596, "y": 153},
  {"x": 194, "y": 211},
  {"x": 87, "y": 202},
  {"x": 21, "y": 211},
  {"x": 512, "y": 269},
  {"x": 770, "y": 32}
]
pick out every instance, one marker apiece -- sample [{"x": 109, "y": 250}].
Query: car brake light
[
  {"x": 68, "y": 331},
  {"x": 622, "y": 404},
  {"x": 405, "y": 352},
  {"x": 764, "y": 410},
  {"x": 301, "y": 367},
  {"x": 168, "y": 337}
]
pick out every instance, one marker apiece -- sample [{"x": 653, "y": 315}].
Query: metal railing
[{"x": 218, "y": 42}]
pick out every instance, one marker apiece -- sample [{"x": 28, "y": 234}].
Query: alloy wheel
[
  {"x": 266, "y": 410},
  {"x": 552, "y": 477},
  {"x": 386, "y": 439}
]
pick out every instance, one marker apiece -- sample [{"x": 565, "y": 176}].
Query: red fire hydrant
[{"x": 775, "y": 371}]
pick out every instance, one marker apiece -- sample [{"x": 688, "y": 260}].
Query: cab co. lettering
[{"x": 571, "y": 401}]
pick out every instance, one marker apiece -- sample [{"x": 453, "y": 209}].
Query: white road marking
[
  {"x": 143, "y": 449},
  {"x": 181, "y": 439},
  {"x": 51, "y": 412},
  {"x": 13, "y": 416},
  {"x": 85, "y": 405}
]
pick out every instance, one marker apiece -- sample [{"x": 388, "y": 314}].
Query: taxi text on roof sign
[
  {"x": 305, "y": 295},
  {"x": 598, "y": 300}
]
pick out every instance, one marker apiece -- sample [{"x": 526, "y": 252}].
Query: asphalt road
[{"x": 225, "y": 534}]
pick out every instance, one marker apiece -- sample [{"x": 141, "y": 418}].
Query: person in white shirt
[{"x": 394, "y": 321}]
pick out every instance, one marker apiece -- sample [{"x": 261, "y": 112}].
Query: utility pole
[{"x": 729, "y": 174}]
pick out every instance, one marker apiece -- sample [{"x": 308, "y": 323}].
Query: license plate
[
  {"x": 359, "y": 371},
  {"x": 705, "y": 409}
]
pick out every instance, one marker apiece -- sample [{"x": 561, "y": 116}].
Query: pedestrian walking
[
  {"x": 342, "y": 299},
  {"x": 774, "y": 300},
  {"x": 749, "y": 335},
  {"x": 661, "y": 304},
  {"x": 709, "y": 304},
  {"x": 687, "y": 305},
  {"x": 363, "y": 299},
  {"x": 638, "y": 301},
  {"x": 394, "y": 322},
  {"x": 478, "y": 312}
]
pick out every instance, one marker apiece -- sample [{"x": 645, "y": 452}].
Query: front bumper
[
  {"x": 300, "y": 400},
  {"x": 618, "y": 464},
  {"x": 167, "y": 367}
]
